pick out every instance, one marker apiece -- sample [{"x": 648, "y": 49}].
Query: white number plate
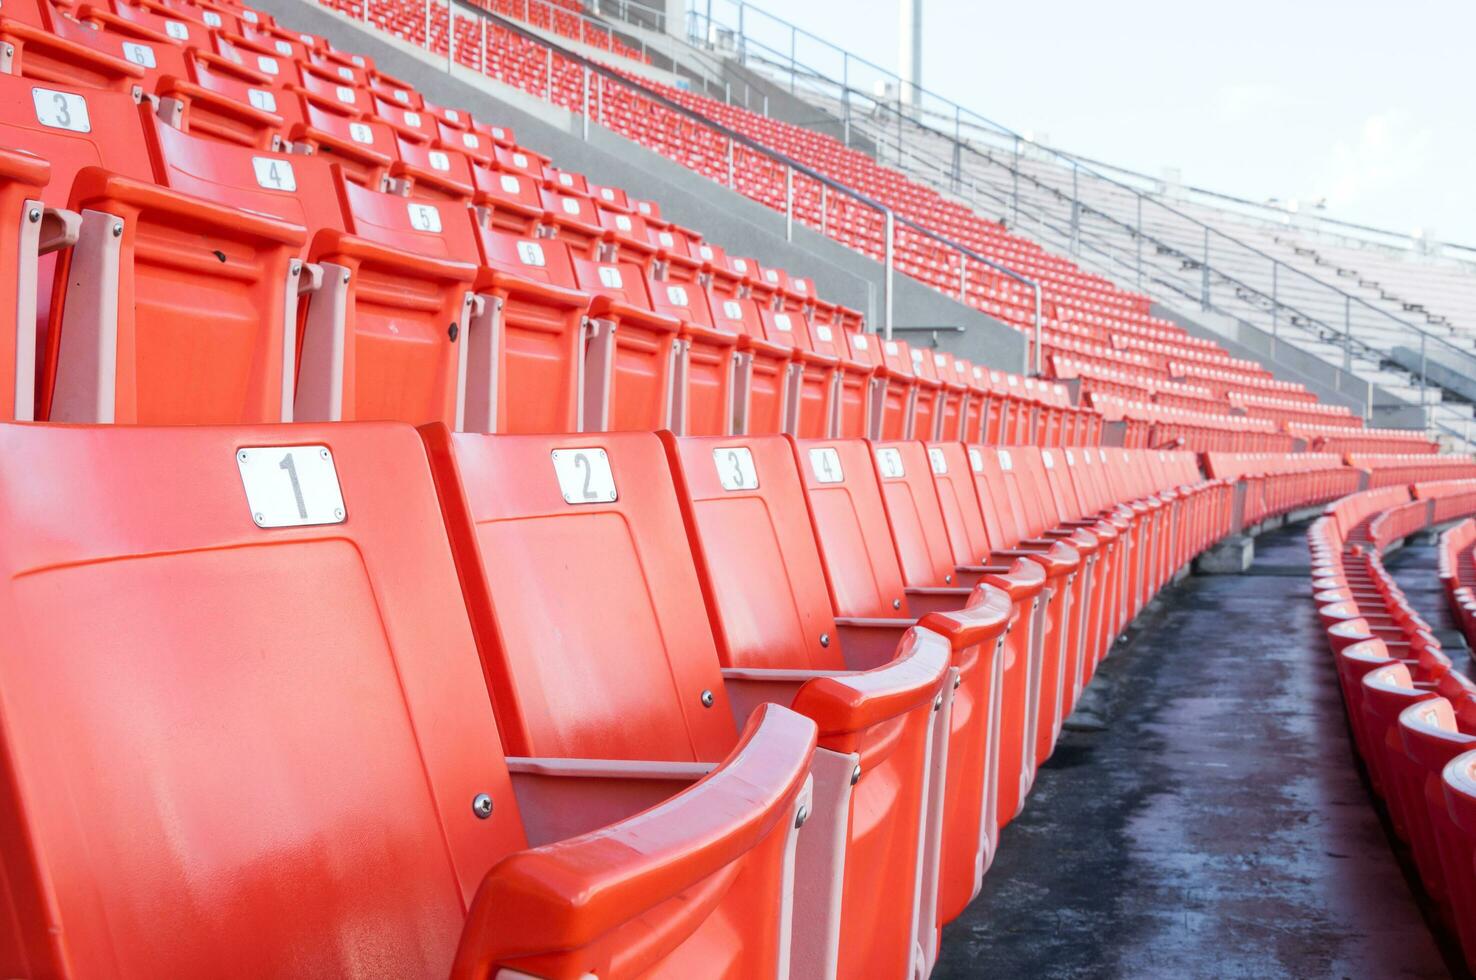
[
  {"x": 140, "y": 54},
  {"x": 423, "y": 217},
  {"x": 262, "y": 99},
  {"x": 61, "y": 110},
  {"x": 584, "y": 476},
  {"x": 274, "y": 175},
  {"x": 1005, "y": 463},
  {"x": 976, "y": 460},
  {"x": 889, "y": 461},
  {"x": 826, "y": 465},
  {"x": 531, "y": 253},
  {"x": 735, "y": 468},
  {"x": 938, "y": 461},
  {"x": 291, "y": 486}
]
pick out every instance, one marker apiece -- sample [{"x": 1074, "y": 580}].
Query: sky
[{"x": 1369, "y": 105}]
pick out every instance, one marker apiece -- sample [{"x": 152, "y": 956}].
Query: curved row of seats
[
  {"x": 1411, "y": 712},
  {"x": 1457, "y": 558},
  {"x": 758, "y": 702}
]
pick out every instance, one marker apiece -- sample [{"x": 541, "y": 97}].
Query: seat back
[
  {"x": 583, "y": 595},
  {"x": 755, "y": 550},
  {"x": 850, "y": 524},
  {"x": 905, "y": 475},
  {"x": 166, "y": 653},
  {"x": 958, "y": 500}
]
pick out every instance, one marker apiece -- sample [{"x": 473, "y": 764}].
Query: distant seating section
[
  {"x": 1412, "y": 714},
  {"x": 1092, "y": 330},
  {"x": 464, "y": 569}
]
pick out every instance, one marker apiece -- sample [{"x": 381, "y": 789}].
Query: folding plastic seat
[
  {"x": 394, "y": 91},
  {"x": 390, "y": 334},
  {"x": 605, "y": 591},
  {"x": 626, "y": 237},
  {"x": 859, "y": 402},
  {"x": 536, "y": 366},
  {"x": 333, "y": 798},
  {"x": 765, "y": 586},
  {"x": 1432, "y": 733},
  {"x": 122, "y": 347},
  {"x": 955, "y": 406},
  {"x": 518, "y": 159},
  {"x": 1387, "y": 692},
  {"x": 575, "y": 221},
  {"x": 631, "y": 351},
  {"x": 223, "y": 100},
  {"x": 893, "y": 387},
  {"x": 48, "y": 46},
  {"x": 1458, "y": 852},
  {"x": 411, "y": 124},
  {"x": 761, "y": 388},
  {"x": 434, "y": 174},
  {"x": 610, "y": 197},
  {"x": 813, "y": 402},
  {"x": 509, "y": 202},
  {"x": 362, "y": 146},
  {"x": 703, "y": 388}
]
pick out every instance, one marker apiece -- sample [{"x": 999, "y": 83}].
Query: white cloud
[{"x": 1390, "y": 153}]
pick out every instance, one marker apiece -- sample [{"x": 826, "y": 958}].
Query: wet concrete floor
[{"x": 1203, "y": 816}]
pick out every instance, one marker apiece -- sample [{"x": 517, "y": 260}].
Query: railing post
[
  {"x": 1016, "y": 171},
  {"x": 963, "y": 279},
  {"x": 365, "y": 9},
  {"x": 792, "y": 62},
  {"x": 1139, "y": 230},
  {"x": 766, "y": 105},
  {"x": 846, "y": 97},
  {"x": 1075, "y": 211},
  {"x": 600, "y": 99},
  {"x": 730, "y": 163},
  {"x": 450, "y": 35},
  {"x": 548, "y": 74},
  {"x": 789, "y": 204},
  {"x": 742, "y": 37},
  {"x": 824, "y": 209},
  {"x": 1275, "y": 305},
  {"x": 1424, "y": 383},
  {"x": 1347, "y": 333},
  {"x": 1204, "y": 273},
  {"x": 888, "y": 228},
  {"x": 1036, "y": 353},
  {"x": 957, "y": 151},
  {"x": 586, "y": 103},
  {"x": 427, "y": 25}
]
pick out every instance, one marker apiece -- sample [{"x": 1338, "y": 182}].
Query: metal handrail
[
  {"x": 591, "y": 68},
  {"x": 848, "y": 93}
]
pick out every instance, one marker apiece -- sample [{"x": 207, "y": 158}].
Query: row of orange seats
[
  {"x": 338, "y": 699},
  {"x": 1412, "y": 713},
  {"x": 578, "y": 306},
  {"x": 1457, "y": 557}
]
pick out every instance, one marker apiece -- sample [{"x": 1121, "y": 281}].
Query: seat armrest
[
  {"x": 868, "y": 642},
  {"x": 563, "y": 798},
  {"x": 554, "y": 903},
  {"x": 925, "y": 599},
  {"x": 606, "y": 308}
]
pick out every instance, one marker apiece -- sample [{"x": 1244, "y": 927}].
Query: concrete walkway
[{"x": 1203, "y": 817}]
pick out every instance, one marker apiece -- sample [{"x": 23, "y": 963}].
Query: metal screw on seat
[
  {"x": 707, "y": 699},
  {"x": 801, "y": 815},
  {"x": 896, "y": 603},
  {"x": 825, "y": 639},
  {"x": 34, "y": 215},
  {"x": 482, "y": 806}
]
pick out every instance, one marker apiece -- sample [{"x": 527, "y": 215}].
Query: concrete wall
[{"x": 741, "y": 226}]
